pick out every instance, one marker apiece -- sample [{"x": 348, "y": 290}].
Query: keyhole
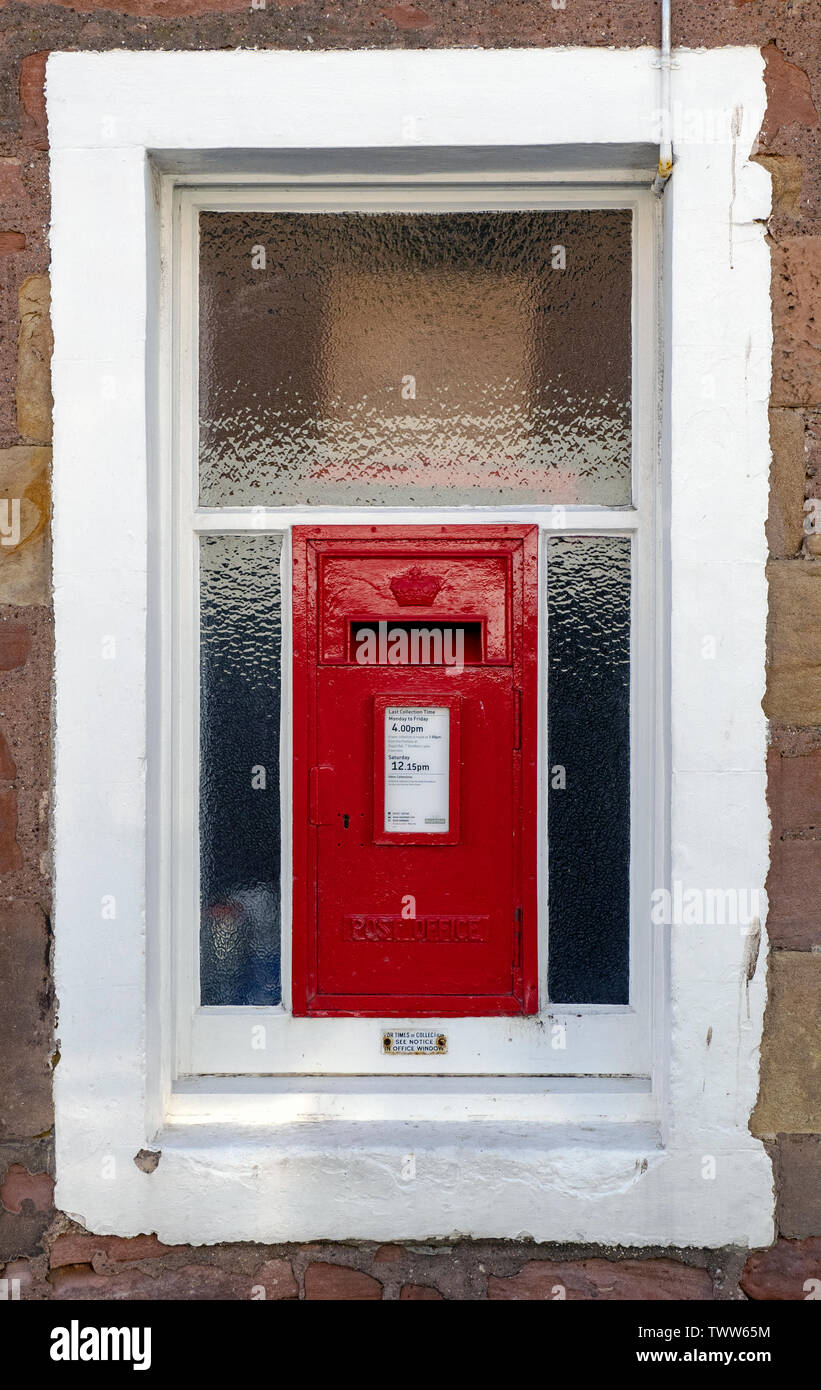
[{"x": 345, "y": 820}]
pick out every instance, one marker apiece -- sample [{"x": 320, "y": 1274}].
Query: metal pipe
[{"x": 665, "y": 165}]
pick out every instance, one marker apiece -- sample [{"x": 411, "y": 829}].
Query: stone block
[
  {"x": 789, "y": 1271},
  {"x": 325, "y": 1282},
  {"x": 798, "y": 1185},
  {"x": 605, "y": 1280},
  {"x": 34, "y": 349},
  {"x": 25, "y": 1022},
  {"x": 794, "y": 642},
  {"x": 785, "y": 524},
  {"x": 796, "y": 289},
  {"x": 789, "y": 1098}
]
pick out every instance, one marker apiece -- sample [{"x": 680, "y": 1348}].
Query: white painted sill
[{"x": 591, "y": 1162}]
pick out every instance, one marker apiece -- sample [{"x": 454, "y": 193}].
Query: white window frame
[
  {"x": 587, "y": 1039},
  {"x": 378, "y": 1159}
]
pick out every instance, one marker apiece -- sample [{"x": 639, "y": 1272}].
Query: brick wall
[{"x": 41, "y": 1248}]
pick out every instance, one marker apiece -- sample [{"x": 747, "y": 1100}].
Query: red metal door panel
[{"x": 415, "y": 800}]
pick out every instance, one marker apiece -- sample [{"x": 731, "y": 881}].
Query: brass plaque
[{"x": 414, "y": 1042}]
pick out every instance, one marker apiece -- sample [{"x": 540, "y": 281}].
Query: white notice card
[{"x": 417, "y": 770}]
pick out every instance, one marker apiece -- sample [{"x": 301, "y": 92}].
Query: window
[
  {"x": 175, "y": 637},
  {"x": 517, "y": 324},
  {"x": 401, "y": 352}
]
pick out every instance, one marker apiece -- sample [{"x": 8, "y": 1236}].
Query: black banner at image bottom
[{"x": 229, "y": 1338}]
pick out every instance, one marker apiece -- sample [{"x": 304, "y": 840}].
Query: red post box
[{"x": 415, "y": 789}]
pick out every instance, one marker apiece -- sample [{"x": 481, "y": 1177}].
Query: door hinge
[{"x": 517, "y": 719}]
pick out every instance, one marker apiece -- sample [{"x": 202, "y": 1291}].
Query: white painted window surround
[{"x": 593, "y": 1158}]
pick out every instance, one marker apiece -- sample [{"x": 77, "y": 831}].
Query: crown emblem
[{"x": 415, "y": 588}]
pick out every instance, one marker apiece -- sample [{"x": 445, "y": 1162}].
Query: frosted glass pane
[
  {"x": 240, "y": 653},
  {"x": 588, "y": 643},
  {"x": 415, "y": 358}
]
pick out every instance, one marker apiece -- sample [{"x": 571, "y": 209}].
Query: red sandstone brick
[
  {"x": 157, "y": 9},
  {"x": 15, "y": 645},
  {"x": 11, "y": 243},
  {"x": 11, "y": 181},
  {"x": 8, "y": 770},
  {"x": 29, "y": 1276},
  {"x": 11, "y": 855},
  {"x": 20, "y": 1186},
  {"x": 277, "y": 1278},
  {"x": 419, "y": 1293},
  {"x": 338, "y": 1282},
  {"x": 798, "y": 1185},
  {"x": 794, "y": 892},
  {"x": 650, "y": 1280},
  {"x": 794, "y": 787},
  {"x": 33, "y": 98},
  {"x": 794, "y": 883},
  {"x": 25, "y": 1023},
  {"x": 789, "y": 97},
  {"x": 71, "y": 1249},
  {"x": 79, "y": 1281},
  {"x": 346, "y": 23},
  {"x": 205, "y": 1283},
  {"x": 790, "y": 1271},
  {"x": 387, "y": 1254},
  {"x": 407, "y": 17},
  {"x": 796, "y": 289}
]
